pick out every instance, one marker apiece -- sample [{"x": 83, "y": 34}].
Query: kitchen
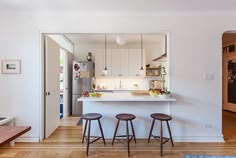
[
  {"x": 130, "y": 80},
  {"x": 125, "y": 56}
]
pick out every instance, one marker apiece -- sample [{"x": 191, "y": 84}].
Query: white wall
[{"x": 195, "y": 48}]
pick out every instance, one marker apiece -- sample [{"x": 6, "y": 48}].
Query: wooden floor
[
  {"x": 229, "y": 125},
  {"x": 65, "y": 142},
  {"x": 69, "y": 121}
]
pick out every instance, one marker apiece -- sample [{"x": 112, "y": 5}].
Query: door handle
[{"x": 47, "y": 93}]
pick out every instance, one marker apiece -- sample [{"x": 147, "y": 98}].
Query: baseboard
[
  {"x": 27, "y": 139},
  {"x": 199, "y": 139},
  {"x": 176, "y": 139}
]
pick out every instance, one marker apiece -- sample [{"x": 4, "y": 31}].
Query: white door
[
  {"x": 68, "y": 62},
  {"x": 52, "y": 86}
]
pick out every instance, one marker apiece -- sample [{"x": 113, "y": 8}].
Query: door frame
[
  {"x": 42, "y": 68},
  {"x": 42, "y": 87},
  {"x": 227, "y": 105}
]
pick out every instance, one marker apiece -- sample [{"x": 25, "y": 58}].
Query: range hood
[
  {"x": 161, "y": 58},
  {"x": 164, "y": 55}
]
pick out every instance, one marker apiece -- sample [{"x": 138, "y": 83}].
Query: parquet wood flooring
[{"x": 65, "y": 142}]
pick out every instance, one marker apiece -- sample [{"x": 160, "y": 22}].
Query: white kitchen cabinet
[
  {"x": 99, "y": 56},
  {"x": 119, "y": 62},
  {"x": 135, "y": 62}
]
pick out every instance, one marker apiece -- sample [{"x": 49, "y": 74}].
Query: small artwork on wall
[{"x": 11, "y": 66}]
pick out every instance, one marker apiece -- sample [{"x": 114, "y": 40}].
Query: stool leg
[
  {"x": 170, "y": 133},
  {"x": 88, "y": 141},
  {"x": 150, "y": 134},
  {"x": 117, "y": 125},
  {"x": 133, "y": 131},
  {"x": 85, "y": 128},
  {"x": 127, "y": 136},
  {"x": 161, "y": 139},
  {"x": 100, "y": 126}
]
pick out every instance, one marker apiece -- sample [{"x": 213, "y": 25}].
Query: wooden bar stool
[
  {"x": 161, "y": 117},
  {"x": 89, "y": 117},
  {"x": 125, "y": 117}
]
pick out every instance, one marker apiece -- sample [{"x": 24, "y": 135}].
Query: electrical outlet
[
  {"x": 209, "y": 76},
  {"x": 208, "y": 125}
]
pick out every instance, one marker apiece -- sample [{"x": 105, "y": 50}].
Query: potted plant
[{"x": 164, "y": 94}]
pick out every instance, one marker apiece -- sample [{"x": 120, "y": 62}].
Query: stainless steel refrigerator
[{"x": 83, "y": 78}]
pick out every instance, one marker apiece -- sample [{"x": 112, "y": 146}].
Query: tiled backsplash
[{"x": 123, "y": 83}]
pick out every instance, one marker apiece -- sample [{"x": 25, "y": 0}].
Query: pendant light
[
  {"x": 141, "y": 69},
  {"x": 105, "y": 69}
]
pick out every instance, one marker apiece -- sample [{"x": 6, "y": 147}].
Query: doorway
[
  {"x": 57, "y": 83},
  {"x": 229, "y": 85}
]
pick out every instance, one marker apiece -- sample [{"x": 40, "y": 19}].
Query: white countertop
[{"x": 125, "y": 97}]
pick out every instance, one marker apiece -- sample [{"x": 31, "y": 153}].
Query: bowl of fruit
[
  {"x": 154, "y": 92},
  {"x": 85, "y": 94},
  {"x": 95, "y": 94}
]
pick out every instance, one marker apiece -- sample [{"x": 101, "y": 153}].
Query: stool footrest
[
  {"x": 158, "y": 138},
  {"x": 97, "y": 138},
  {"x": 130, "y": 137}
]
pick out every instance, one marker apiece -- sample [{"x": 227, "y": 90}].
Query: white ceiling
[
  {"x": 119, "y": 6},
  {"x": 78, "y": 39}
]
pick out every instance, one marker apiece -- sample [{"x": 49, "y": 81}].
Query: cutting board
[{"x": 140, "y": 92}]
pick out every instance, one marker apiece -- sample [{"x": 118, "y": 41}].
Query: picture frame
[{"x": 11, "y": 66}]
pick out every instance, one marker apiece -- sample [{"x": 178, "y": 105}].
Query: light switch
[{"x": 209, "y": 76}]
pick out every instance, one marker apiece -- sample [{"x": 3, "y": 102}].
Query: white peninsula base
[{"x": 140, "y": 106}]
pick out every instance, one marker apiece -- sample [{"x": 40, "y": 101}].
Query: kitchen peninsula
[{"x": 110, "y": 104}]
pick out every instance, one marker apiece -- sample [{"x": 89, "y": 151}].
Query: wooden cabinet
[
  {"x": 229, "y": 48},
  {"x": 119, "y": 62},
  {"x": 153, "y": 71}
]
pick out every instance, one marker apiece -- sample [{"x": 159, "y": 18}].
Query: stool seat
[
  {"x": 161, "y": 117},
  {"x": 91, "y": 116},
  {"x": 125, "y": 116}
]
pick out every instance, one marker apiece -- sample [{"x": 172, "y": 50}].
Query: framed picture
[{"x": 11, "y": 66}]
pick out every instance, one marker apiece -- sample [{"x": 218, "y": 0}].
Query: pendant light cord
[
  {"x": 141, "y": 52},
  {"x": 105, "y": 52}
]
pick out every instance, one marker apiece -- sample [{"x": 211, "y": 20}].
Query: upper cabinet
[
  {"x": 135, "y": 62},
  {"x": 99, "y": 55},
  {"x": 119, "y": 62}
]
